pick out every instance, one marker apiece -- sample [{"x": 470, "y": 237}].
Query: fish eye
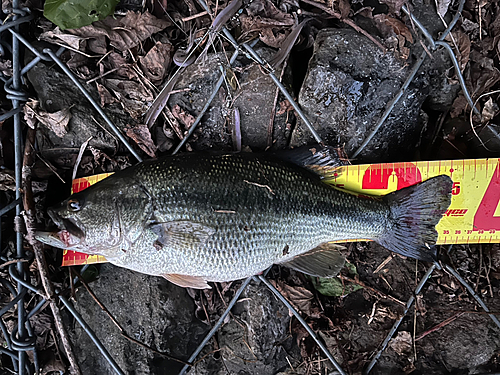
[{"x": 74, "y": 205}]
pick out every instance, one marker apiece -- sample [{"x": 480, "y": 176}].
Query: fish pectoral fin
[
  {"x": 183, "y": 233},
  {"x": 326, "y": 260},
  {"x": 185, "y": 281}
]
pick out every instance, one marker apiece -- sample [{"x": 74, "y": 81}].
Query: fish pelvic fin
[
  {"x": 325, "y": 260},
  {"x": 185, "y": 281},
  {"x": 414, "y": 213}
]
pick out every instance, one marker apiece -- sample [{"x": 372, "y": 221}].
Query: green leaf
[
  {"x": 333, "y": 287},
  {"x": 71, "y": 14}
]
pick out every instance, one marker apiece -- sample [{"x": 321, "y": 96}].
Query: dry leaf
[
  {"x": 345, "y": 8},
  {"x": 123, "y": 68},
  {"x": 401, "y": 344},
  {"x": 141, "y": 135},
  {"x": 483, "y": 75},
  {"x": 105, "y": 95},
  {"x": 285, "y": 106},
  {"x": 442, "y": 7},
  {"x": 157, "y": 61},
  {"x": 7, "y": 180},
  {"x": 185, "y": 118},
  {"x": 6, "y": 67},
  {"x": 59, "y": 37},
  {"x": 458, "y": 106},
  {"x": 56, "y": 121},
  {"x": 133, "y": 96},
  {"x": 389, "y": 26},
  {"x": 271, "y": 24},
  {"x": 123, "y": 32},
  {"x": 463, "y": 43},
  {"x": 489, "y": 110}
]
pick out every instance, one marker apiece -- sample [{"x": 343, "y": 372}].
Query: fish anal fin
[
  {"x": 325, "y": 260},
  {"x": 185, "y": 281},
  {"x": 183, "y": 233}
]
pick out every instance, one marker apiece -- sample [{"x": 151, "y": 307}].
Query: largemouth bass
[{"x": 194, "y": 218}]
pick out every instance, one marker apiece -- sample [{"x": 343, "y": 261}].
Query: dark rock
[
  {"x": 348, "y": 85},
  {"x": 150, "y": 309},
  {"x": 261, "y": 344},
  {"x": 56, "y": 91},
  {"x": 254, "y": 98}
]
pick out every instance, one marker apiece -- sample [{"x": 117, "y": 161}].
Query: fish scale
[{"x": 226, "y": 217}]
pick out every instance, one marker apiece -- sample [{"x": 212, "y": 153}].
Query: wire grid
[{"x": 22, "y": 339}]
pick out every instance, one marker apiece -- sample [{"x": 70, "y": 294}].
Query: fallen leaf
[
  {"x": 6, "y": 67},
  {"x": 56, "y": 121},
  {"x": 285, "y": 106},
  {"x": 105, "y": 95},
  {"x": 345, "y": 8},
  {"x": 123, "y": 68},
  {"x": 134, "y": 97},
  {"x": 490, "y": 109},
  {"x": 442, "y": 7},
  {"x": 483, "y": 75},
  {"x": 184, "y": 117},
  {"x": 58, "y": 37},
  {"x": 389, "y": 26},
  {"x": 157, "y": 61},
  {"x": 141, "y": 135},
  {"x": 7, "y": 180},
  {"x": 299, "y": 297},
  {"x": 458, "y": 106},
  {"x": 462, "y": 41},
  {"x": 263, "y": 18},
  {"x": 123, "y": 32},
  {"x": 402, "y": 343}
]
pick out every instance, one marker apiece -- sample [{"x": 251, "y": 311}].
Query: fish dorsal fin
[
  {"x": 185, "y": 281},
  {"x": 324, "y": 161},
  {"x": 325, "y": 260},
  {"x": 182, "y": 233}
]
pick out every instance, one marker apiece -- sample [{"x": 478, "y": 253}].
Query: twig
[
  {"x": 270, "y": 127},
  {"x": 381, "y": 294},
  {"x": 120, "y": 328},
  {"x": 29, "y": 218},
  {"x": 103, "y": 74},
  {"x": 383, "y": 264},
  {"x": 185, "y": 19},
  {"x": 51, "y": 168},
  {"x": 13, "y": 261},
  {"x": 440, "y": 325},
  {"x": 347, "y": 21},
  {"x": 79, "y": 157}
]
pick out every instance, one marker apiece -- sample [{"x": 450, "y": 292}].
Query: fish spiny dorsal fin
[
  {"x": 325, "y": 260},
  {"x": 324, "y": 161},
  {"x": 185, "y": 281}
]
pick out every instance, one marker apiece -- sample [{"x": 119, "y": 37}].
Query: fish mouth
[
  {"x": 69, "y": 236},
  {"x": 66, "y": 225}
]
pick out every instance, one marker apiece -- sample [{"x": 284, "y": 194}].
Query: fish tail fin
[{"x": 414, "y": 213}]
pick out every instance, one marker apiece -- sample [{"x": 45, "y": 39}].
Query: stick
[{"x": 29, "y": 218}]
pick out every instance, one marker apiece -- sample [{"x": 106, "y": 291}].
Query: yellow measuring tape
[{"x": 473, "y": 216}]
